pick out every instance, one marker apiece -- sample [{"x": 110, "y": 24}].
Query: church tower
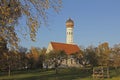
[{"x": 69, "y": 31}]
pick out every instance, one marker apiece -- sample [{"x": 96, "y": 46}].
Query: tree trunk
[
  {"x": 56, "y": 67},
  {"x": 9, "y": 71},
  {"x": 56, "y": 70}
]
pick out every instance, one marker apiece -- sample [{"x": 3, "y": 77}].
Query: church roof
[{"x": 68, "y": 48}]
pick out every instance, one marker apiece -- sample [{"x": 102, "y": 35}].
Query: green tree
[
  {"x": 55, "y": 58},
  {"x": 42, "y": 53},
  {"x": 34, "y": 11},
  {"x": 79, "y": 57},
  {"x": 91, "y": 56},
  {"x": 22, "y": 58}
]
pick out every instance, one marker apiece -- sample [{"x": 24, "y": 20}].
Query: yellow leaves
[
  {"x": 32, "y": 36},
  {"x": 35, "y": 53},
  {"x": 46, "y": 4},
  {"x": 8, "y": 9},
  {"x": 2, "y": 10},
  {"x": 10, "y": 20},
  {"x": 9, "y": 13},
  {"x": 103, "y": 52},
  {"x": 5, "y": 11},
  {"x": 1, "y": 39},
  {"x": 26, "y": 12},
  {"x": 2, "y": 22},
  {"x": 33, "y": 25},
  {"x": 11, "y": 10},
  {"x": 5, "y": 54}
]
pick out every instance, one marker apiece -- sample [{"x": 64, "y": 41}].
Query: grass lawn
[{"x": 64, "y": 74}]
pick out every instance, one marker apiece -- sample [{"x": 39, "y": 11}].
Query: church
[{"x": 69, "y": 47}]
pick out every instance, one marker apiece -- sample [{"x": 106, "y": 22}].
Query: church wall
[
  {"x": 70, "y": 62},
  {"x": 50, "y": 48},
  {"x": 69, "y": 35}
]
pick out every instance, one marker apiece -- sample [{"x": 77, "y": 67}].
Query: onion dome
[{"x": 70, "y": 23}]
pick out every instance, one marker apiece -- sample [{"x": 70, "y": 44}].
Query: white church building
[{"x": 69, "y": 47}]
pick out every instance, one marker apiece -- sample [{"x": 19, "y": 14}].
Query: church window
[{"x": 71, "y": 61}]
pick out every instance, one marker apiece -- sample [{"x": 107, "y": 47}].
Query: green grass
[{"x": 64, "y": 74}]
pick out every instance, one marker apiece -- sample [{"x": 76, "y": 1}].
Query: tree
[
  {"x": 42, "y": 53},
  {"x": 22, "y": 49},
  {"x": 103, "y": 52},
  {"x": 115, "y": 55},
  {"x": 79, "y": 57},
  {"x": 3, "y": 44},
  {"x": 33, "y": 57},
  {"x": 10, "y": 61},
  {"x": 35, "y": 12},
  {"x": 3, "y": 50},
  {"x": 36, "y": 57},
  {"x": 91, "y": 56},
  {"x": 55, "y": 58},
  {"x": 22, "y": 58}
]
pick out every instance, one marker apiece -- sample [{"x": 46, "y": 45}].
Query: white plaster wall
[
  {"x": 50, "y": 48},
  {"x": 69, "y": 35}
]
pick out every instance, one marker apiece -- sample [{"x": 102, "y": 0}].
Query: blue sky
[{"x": 96, "y": 21}]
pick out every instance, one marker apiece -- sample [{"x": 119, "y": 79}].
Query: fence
[{"x": 101, "y": 72}]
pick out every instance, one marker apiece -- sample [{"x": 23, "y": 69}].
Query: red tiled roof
[{"x": 68, "y": 48}]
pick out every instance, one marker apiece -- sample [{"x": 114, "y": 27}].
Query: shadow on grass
[{"x": 63, "y": 74}]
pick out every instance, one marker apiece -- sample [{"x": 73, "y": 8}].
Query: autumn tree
[
  {"x": 33, "y": 57},
  {"x": 103, "y": 52},
  {"x": 36, "y": 57},
  {"x": 3, "y": 50},
  {"x": 9, "y": 61},
  {"x": 115, "y": 55},
  {"x": 33, "y": 11}
]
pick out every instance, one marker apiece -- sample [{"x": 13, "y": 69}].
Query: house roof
[{"x": 68, "y": 48}]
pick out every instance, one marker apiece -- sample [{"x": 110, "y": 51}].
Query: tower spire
[{"x": 69, "y": 31}]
